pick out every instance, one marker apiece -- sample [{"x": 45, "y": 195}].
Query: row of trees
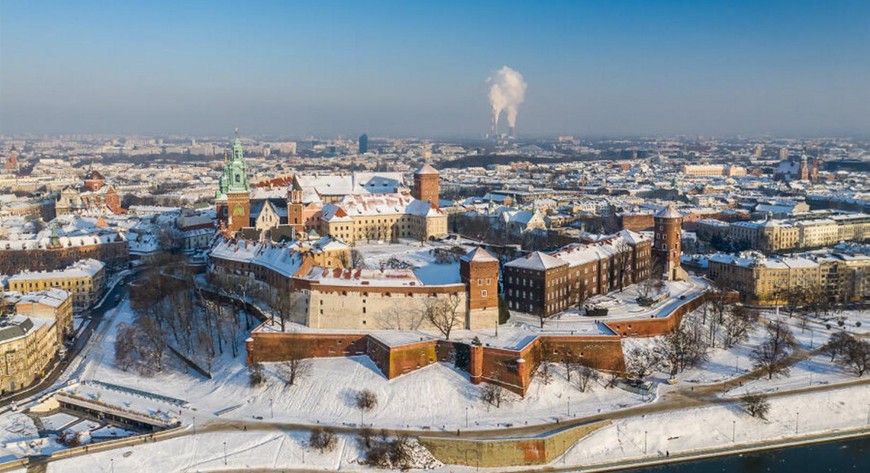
[{"x": 170, "y": 310}]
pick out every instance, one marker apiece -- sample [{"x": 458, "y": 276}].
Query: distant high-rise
[{"x": 363, "y": 143}]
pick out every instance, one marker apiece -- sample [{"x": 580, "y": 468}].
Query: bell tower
[{"x": 237, "y": 189}]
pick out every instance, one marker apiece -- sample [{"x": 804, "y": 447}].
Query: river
[{"x": 830, "y": 457}]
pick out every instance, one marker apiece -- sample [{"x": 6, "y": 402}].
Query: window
[
  {"x": 483, "y": 293},
  {"x": 480, "y": 282}
]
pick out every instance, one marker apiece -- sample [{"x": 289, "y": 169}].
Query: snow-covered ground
[
  {"x": 712, "y": 427},
  {"x": 676, "y": 432}
]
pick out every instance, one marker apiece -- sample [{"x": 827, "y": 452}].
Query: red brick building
[{"x": 541, "y": 283}]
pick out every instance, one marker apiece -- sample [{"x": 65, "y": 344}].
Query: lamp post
[
  {"x": 569, "y": 406},
  {"x": 271, "y": 410},
  {"x": 466, "y": 417},
  {"x": 733, "y": 431},
  {"x": 112, "y": 465},
  {"x": 644, "y": 442},
  {"x": 225, "y": 454},
  {"x": 797, "y": 419},
  {"x": 194, "y": 425}
]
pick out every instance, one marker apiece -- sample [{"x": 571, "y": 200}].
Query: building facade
[
  {"x": 85, "y": 280},
  {"x": 547, "y": 284},
  {"x": 28, "y": 345}
]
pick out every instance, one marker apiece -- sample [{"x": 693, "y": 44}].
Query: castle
[{"x": 353, "y": 208}]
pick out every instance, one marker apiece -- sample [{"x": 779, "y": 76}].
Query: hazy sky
[{"x": 420, "y": 68}]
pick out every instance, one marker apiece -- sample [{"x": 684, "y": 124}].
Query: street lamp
[
  {"x": 194, "y": 425},
  {"x": 225, "y": 454},
  {"x": 644, "y": 442},
  {"x": 797, "y": 419},
  {"x": 271, "y": 410},
  {"x": 112, "y": 465},
  {"x": 733, "y": 430},
  {"x": 466, "y": 417},
  {"x": 569, "y": 406}
]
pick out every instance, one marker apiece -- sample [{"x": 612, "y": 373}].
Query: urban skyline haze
[{"x": 420, "y": 68}]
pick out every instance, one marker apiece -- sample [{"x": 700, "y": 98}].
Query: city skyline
[{"x": 421, "y": 69}]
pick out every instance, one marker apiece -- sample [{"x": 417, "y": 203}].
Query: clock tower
[{"x": 233, "y": 198}]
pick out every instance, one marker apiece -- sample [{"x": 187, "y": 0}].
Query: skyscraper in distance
[{"x": 363, "y": 143}]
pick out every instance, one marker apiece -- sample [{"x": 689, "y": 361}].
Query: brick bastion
[{"x": 512, "y": 369}]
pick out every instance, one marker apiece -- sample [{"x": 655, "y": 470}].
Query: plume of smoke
[{"x": 506, "y": 92}]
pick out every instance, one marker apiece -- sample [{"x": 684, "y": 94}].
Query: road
[{"x": 116, "y": 294}]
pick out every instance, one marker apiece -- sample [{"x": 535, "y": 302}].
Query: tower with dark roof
[{"x": 666, "y": 245}]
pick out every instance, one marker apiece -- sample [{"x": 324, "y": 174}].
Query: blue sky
[{"x": 419, "y": 68}]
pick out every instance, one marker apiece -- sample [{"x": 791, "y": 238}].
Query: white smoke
[{"x": 506, "y": 92}]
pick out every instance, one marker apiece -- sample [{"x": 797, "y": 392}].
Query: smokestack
[{"x": 506, "y": 92}]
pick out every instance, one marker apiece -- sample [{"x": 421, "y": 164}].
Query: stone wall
[{"x": 496, "y": 453}]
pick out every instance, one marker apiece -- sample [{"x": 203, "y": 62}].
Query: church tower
[
  {"x": 666, "y": 245},
  {"x": 426, "y": 184},
  {"x": 233, "y": 198}
]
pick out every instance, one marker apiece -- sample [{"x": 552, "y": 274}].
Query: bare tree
[
  {"x": 622, "y": 262},
  {"x": 296, "y": 367},
  {"x": 756, "y": 405},
  {"x": 356, "y": 260},
  {"x": 285, "y": 306},
  {"x": 365, "y": 400},
  {"x": 569, "y": 362},
  {"x": 793, "y": 296},
  {"x": 493, "y": 394},
  {"x": 641, "y": 362},
  {"x": 737, "y": 325},
  {"x": 577, "y": 293},
  {"x": 682, "y": 348},
  {"x": 400, "y": 318},
  {"x": 772, "y": 355},
  {"x": 152, "y": 341},
  {"x": 256, "y": 374},
  {"x": 836, "y": 345},
  {"x": 585, "y": 375},
  {"x": 649, "y": 288},
  {"x": 443, "y": 313},
  {"x": 125, "y": 346},
  {"x": 323, "y": 440},
  {"x": 856, "y": 356},
  {"x": 545, "y": 371}
]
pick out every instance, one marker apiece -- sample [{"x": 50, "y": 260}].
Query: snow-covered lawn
[
  {"x": 435, "y": 397},
  {"x": 673, "y": 432},
  {"x": 711, "y": 427}
]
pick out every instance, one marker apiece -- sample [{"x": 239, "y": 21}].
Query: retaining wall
[{"x": 496, "y": 453}]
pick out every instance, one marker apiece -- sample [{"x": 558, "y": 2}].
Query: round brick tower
[
  {"x": 666, "y": 244},
  {"x": 426, "y": 184}
]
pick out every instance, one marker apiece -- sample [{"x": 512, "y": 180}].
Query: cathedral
[{"x": 360, "y": 206}]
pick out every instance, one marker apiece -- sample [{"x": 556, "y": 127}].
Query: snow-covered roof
[
  {"x": 84, "y": 268},
  {"x": 377, "y": 204},
  {"x": 479, "y": 255},
  {"x": 668, "y": 212},
  {"x": 426, "y": 168},
  {"x": 537, "y": 261}
]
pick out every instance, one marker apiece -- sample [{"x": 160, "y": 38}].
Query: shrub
[{"x": 323, "y": 440}]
